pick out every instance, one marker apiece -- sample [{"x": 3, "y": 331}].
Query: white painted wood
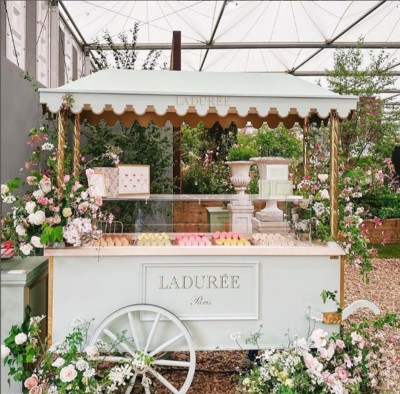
[
  {"x": 17, "y": 34},
  {"x": 43, "y": 43},
  {"x": 254, "y": 250},
  {"x": 203, "y": 291},
  {"x": 356, "y": 305},
  {"x": 288, "y": 285}
]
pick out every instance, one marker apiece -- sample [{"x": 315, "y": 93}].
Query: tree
[
  {"x": 126, "y": 57},
  {"x": 373, "y": 130}
]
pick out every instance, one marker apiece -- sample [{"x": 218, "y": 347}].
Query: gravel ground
[{"x": 215, "y": 370}]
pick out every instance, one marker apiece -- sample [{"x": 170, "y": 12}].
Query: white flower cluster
[
  {"x": 76, "y": 229},
  {"x": 80, "y": 324},
  {"x": 47, "y": 146},
  {"x": 119, "y": 374},
  {"x": 37, "y": 218}
]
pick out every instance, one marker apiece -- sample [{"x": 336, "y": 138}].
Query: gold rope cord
[
  {"x": 77, "y": 145},
  {"x": 333, "y": 174},
  {"x": 306, "y": 133},
  {"x": 61, "y": 146}
]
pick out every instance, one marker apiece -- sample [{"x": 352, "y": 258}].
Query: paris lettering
[
  {"x": 200, "y": 300},
  {"x": 185, "y": 282}
]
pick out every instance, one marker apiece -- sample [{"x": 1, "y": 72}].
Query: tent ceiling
[{"x": 282, "y": 36}]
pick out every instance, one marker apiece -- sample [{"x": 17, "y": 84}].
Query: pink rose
[
  {"x": 340, "y": 344},
  {"x": 31, "y": 382},
  {"x": 83, "y": 207},
  {"x": 35, "y": 390},
  {"x": 45, "y": 184},
  {"x": 328, "y": 377},
  {"x": 66, "y": 178},
  {"x": 342, "y": 374},
  {"x": 42, "y": 201},
  {"x": 31, "y": 180},
  {"x": 323, "y": 353},
  {"x": 98, "y": 201}
]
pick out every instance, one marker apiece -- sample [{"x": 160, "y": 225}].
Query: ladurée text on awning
[{"x": 209, "y": 101}]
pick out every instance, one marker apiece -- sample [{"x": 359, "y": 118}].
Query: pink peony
[
  {"x": 31, "y": 382},
  {"x": 319, "y": 337},
  {"x": 45, "y": 184}
]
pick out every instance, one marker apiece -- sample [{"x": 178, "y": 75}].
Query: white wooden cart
[
  {"x": 190, "y": 298},
  {"x": 152, "y": 292}
]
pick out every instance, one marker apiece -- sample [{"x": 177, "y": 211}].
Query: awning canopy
[{"x": 179, "y": 95}]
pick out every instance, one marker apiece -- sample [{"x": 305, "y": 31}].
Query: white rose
[
  {"x": 30, "y": 206},
  {"x": 35, "y": 241},
  {"x": 67, "y": 212},
  {"x": 322, "y": 177},
  {"x": 325, "y": 194},
  {"x": 92, "y": 351},
  {"x": 68, "y": 374},
  {"x": 59, "y": 362},
  {"x": 319, "y": 337},
  {"x": 5, "y": 351},
  {"x": 84, "y": 195},
  {"x": 26, "y": 249},
  {"x": 20, "y": 230},
  {"x": 20, "y": 338},
  {"x": 38, "y": 194},
  {"x": 40, "y": 217},
  {"x": 4, "y": 190}
]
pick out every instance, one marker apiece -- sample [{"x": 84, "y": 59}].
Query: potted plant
[{"x": 239, "y": 162}]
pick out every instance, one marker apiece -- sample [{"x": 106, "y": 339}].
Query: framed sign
[
  {"x": 203, "y": 291},
  {"x": 97, "y": 184},
  {"x": 134, "y": 180}
]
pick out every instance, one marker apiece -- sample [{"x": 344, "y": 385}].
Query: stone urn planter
[
  {"x": 240, "y": 176},
  {"x": 274, "y": 174}
]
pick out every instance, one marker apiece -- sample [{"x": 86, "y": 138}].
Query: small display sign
[{"x": 203, "y": 291}]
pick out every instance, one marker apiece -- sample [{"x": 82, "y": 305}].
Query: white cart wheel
[{"x": 151, "y": 333}]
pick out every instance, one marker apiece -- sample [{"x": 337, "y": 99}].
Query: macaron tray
[{"x": 196, "y": 239}]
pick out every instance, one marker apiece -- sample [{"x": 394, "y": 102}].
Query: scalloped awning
[{"x": 183, "y": 93}]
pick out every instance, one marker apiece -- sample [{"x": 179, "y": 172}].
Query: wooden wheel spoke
[
  {"x": 171, "y": 363},
  {"x": 166, "y": 344},
  {"x": 131, "y": 384},
  {"x": 133, "y": 331},
  {"x": 152, "y": 331},
  {"x": 147, "y": 390},
  {"x": 164, "y": 381},
  {"x": 123, "y": 344}
]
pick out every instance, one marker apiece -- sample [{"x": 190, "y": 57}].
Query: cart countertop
[{"x": 313, "y": 250}]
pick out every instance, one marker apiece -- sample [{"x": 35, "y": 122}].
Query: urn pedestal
[
  {"x": 274, "y": 174},
  {"x": 241, "y": 209}
]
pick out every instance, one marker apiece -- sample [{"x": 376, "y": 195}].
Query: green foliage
[
  {"x": 213, "y": 178},
  {"x": 203, "y": 154},
  {"x": 280, "y": 142},
  {"x": 373, "y": 129},
  {"x": 140, "y": 145},
  {"x": 381, "y": 202},
  {"x": 125, "y": 57},
  {"x": 239, "y": 152},
  {"x": 330, "y": 295}
]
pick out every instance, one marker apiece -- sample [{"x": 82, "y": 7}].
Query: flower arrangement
[
  {"x": 354, "y": 184},
  {"x": 68, "y": 366},
  {"x": 357, "y": 362},
  {"x": 43, "y": 212}
]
